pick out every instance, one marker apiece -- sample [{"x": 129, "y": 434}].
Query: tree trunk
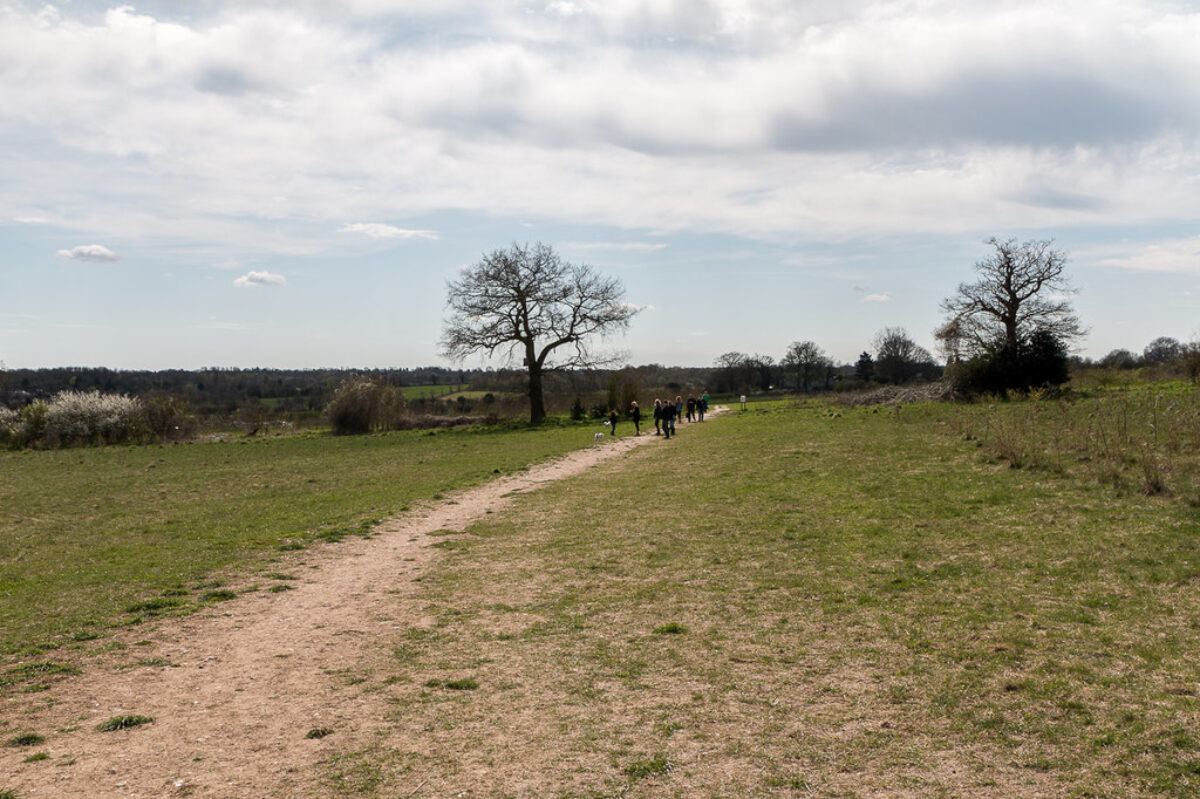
[
  {"x": 1010, "y": 333},
  {"x": 537, "y": 401}
]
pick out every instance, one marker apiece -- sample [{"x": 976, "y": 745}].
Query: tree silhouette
[{"x": 528, "y": 303}]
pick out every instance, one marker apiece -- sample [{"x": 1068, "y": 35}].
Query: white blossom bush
[
  {"x": 10, "y": 427},
  {"x": 77, "y": 417}
]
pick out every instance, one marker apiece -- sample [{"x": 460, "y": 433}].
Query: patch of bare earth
[{"x": 236, "y": 691}]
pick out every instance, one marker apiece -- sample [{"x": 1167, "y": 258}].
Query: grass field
[
  {"x": 102, "y": 536},
  {"x": 432, "y": 391},
  {"x": 806, "y": 602},
  {"x": 791, "y": 601}
]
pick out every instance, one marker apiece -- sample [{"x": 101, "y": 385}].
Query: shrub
[
  {"x": 76, "y": 417},
  {"x": 1039, "y": 361},
  {"x": 33, "y": 424},
  {"x": 10, "y": 426},
  {"x": 360, "y": 406},
  {"x": 166, "y": 417},
  {"x": 354, "y": 407}
]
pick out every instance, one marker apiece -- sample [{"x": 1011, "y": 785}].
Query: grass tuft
[
  {"x": 655, "y": 766},
  {"x": 318, "y": 732},
  {"x": 123, "y": 723},
  {"x": 28, "y": 739},
  {"x": 671, "y": 628},
  {"x": 152, "y": 607},
  {"x": 30, "y": 671}
]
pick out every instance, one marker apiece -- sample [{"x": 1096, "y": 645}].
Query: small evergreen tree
[{"x": 864, "y": 369}]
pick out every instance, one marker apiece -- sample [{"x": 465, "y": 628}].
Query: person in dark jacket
[
  {"x": 668, "y": 418},
  {"x": 636, "y": 413},
  {"x": 658, "y": 413},
  {"x": 612, "y": 421}
]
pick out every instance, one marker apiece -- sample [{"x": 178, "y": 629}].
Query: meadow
[
  {"x": 806, "y": 601},
  {"x": 801, "y": 599},
  {"x": 96, "y": 537}
]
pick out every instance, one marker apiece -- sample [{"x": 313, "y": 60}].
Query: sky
[{"x": 292, "y": 183}]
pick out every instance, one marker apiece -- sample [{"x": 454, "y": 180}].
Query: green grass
[
  {"x": 123, "y": 723},
  {"x": 25, "y": 672},
  {"x": 1142, "y": 438},
  {"x": 651, "y": 767},
  {"x": 28, "y": 739},
  {"x": 864, "y": 603},
  {"x": 92, "y": 537},
  {"x": 417, "y": 392}
]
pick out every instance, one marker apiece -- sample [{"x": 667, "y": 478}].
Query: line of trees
[
  {"x": 1162, "y": 352},
  {"x": 894, "y": 358},
  {"x": 225, "y": 390}
]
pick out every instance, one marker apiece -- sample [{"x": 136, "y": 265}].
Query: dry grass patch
[{"x": 787, "y": 602}]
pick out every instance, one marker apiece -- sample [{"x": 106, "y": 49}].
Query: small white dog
[{"x": 598, "y": 438}]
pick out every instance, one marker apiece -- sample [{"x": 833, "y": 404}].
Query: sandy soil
[{"x": 248, "y": 680}]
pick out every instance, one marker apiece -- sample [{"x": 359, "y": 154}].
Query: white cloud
[
  {"x": 1172, "y": 255},
  {"x": 877, "y": 298},
  {"x": 377, "y": 230},
  {"x": 820, "y": 119},
  {"x": 90, "y": 253},
  {"x": 263, "y": 278},
  {"x": 31, "y": 220},
  {"x": 621, "y": 246}
]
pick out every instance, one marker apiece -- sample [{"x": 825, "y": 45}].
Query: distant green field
[
  {"x": 431, "y": 391},
  {"x": 89, "y": 536}
]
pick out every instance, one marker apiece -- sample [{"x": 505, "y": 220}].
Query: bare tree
[
  {"x": 1191, "y": 360},
  {"x": 806, "y": 361},
  {"x": 1020, "y": 290},
  {"x": 528, "y": 303},
  {"x": 899, "y": 359}
]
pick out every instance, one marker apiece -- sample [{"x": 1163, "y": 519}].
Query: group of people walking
[{"x": 666, "y": 413}]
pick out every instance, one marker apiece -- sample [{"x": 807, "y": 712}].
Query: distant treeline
[{"x": 227, "y": 390}]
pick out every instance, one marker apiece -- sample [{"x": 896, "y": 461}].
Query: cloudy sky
[{"x": 291, "y": 183}]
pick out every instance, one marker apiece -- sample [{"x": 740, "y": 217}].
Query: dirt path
[{"x": 247, "y": 681}]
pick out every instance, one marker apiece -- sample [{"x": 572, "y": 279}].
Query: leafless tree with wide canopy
[
  {"x": 527, "y": 302},
  {"x": 1021, "y": 289}
]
